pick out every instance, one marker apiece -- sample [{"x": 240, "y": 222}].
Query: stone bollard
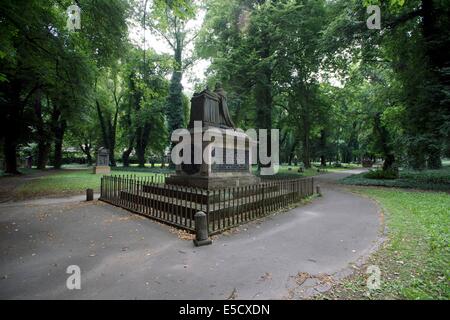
[
  {"x": 319, "y": 193},
  {"x": 201, "y": 230},
  {"x": 89, "y": 194}
]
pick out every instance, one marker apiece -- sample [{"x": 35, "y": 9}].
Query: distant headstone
[{"x": 102, "y": 165}]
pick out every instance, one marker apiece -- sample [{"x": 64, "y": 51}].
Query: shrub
[
  {"x": 425, "y": 180},
  {"x": 390, "y": 174}
]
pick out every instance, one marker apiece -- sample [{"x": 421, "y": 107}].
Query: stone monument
[
  {"x": 228, "y": 162},
  {"x": 102, "y": 165}
]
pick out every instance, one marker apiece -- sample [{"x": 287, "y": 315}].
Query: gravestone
[
  {"x": 227, "y": 164},
  {"x": 102, "y": 164}
]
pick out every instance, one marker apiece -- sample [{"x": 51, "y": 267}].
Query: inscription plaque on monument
[{"x": 240, "y": 161}]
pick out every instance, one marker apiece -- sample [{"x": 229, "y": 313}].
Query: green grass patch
[
  {"x": 65, "y": 182},
  {"x": 147, "y": 169},
  {"x": 415, "y": 260},
  {"x": 71, "y": 181},
  {"x": 293, "y": 172},
  {"x": 438, "y": 180}
]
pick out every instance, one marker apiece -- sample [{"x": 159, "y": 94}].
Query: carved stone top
[{"x": 211, "y": 108}]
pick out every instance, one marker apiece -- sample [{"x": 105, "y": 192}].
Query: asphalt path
[{"x": 291, "y": 255}]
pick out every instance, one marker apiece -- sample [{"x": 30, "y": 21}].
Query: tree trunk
[
  {"x": 323, "y": 146},
  {"x": 140, "y": 152},
  {"x": 12, "y": 120},
  {"x": 43, "y": 154},
  {"x": 306, "y": 150},
  {"x": 305, "y": 141},
  {"x": 43, "y": 136},
  {"x": 263, "y": 96},
  {"x": 127, "y": 152},
  {"x": 434, "y": 22},
  {"x": 434, "y": 159},
  {"x": 175, "y": 113},
  {"x": 112, "y": 157},
  {"x": 10, "y": 153},
  {"x": 89, "y": 158},
  {"x": 383, "y": 138},
  {"x": 59, "y": 137},
  {"x": 108, "y": 129},
  {"x": 389, "y": 161},
  {"x": 141, "y": 143},
  {"x": 292, "y": 152},
  {"x": 87, "y": 151},
  {"x": 126, "y": 157}
]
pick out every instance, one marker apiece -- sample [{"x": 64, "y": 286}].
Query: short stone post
[
  {"x": 201, "y": 230},
  {"x": 319, "y": 193},
  {"x": 89, "y": 194}
]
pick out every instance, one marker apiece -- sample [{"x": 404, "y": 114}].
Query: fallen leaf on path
[
  {"x": 233, "y": 295},
  {"x": 301, "y": 277}
]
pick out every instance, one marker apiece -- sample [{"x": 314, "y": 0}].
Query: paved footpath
[{"x": 125, "y": 256}]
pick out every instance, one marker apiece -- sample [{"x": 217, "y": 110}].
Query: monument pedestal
[
  {"x": 227, "y": 164},
  {"x": 102, "y": 170},
  {"x": 213, "y": 182}
]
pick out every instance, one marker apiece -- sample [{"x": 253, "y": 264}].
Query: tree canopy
[{"x": 337, "y": 90}]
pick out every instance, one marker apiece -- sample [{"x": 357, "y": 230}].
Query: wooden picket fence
[{"x": 225, "y": 208}]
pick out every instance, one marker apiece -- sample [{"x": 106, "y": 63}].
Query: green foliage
[
  {"x": 389, "y": 174},
  {"x": 268, "y": 67},
  {"x": 424, "y": 180},
  {"x": 68, "y": 182},
  {"x": 50, "y": 72},
  {"x": 337, "y": 91}
]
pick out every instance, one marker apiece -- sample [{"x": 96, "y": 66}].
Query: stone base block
[
  {"x": 211, "y": 183},
  {"x": 102, "y": 170}
]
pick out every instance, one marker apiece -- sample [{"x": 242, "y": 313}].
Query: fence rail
[{"x": 225, "y": 208}]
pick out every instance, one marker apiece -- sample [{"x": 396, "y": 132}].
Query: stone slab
[{"x": 102, "y": 170}]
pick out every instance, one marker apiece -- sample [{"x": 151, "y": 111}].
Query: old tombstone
[
  {"x": 102, "y": 165},
  {"x": 234, "y": 167}
]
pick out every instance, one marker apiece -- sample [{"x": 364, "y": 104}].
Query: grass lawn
[
  {"x": 75, "y": 180},
  {"x": 415, "y": 260},
  {"x": 438, "y": 180},
  {"x": 284, "y": 171},
  {"x": 66, "y": 182},
  {"x": 293, "y": 172}
]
